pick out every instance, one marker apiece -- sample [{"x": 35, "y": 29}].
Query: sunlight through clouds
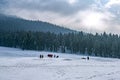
[{"x": 94, "y": 20}]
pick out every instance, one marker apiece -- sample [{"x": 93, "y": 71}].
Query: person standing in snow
[{"x": 87, "y": 57}]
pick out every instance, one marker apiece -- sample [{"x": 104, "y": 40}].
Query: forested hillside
[
  {"x": 12, "y": 23},
  {"x": 105, "y": 45}
]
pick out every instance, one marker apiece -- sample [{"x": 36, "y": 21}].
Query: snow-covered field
[{"x": 16, "y": 64}]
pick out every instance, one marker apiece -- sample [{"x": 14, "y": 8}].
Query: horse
[{"x": 50, "y": 55}]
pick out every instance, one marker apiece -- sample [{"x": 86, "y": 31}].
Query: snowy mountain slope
[{"x": 26, "y": 65}]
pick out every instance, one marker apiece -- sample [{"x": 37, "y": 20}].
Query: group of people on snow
[
  {"x": 85, "y": 58},
  {"x": 56, "y": 56},
  {"x": 50, "y": 56}
]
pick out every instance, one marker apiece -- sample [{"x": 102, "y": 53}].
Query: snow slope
[{"x": 16, "y": 64}]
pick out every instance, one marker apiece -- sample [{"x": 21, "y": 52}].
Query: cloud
[
  {"x": 112, "y": 3},
  {"x": 72, "y": 1},
  {"x": 64, "y": 7},
  {"x": 87, "y": 15}
]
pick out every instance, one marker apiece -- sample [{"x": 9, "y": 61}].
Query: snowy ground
[{"x": 16, "y": 64}]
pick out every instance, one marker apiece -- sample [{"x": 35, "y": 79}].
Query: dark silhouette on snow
[
  {"x": 41, "y": 56},
  {"x": 88, "y": 58},
  {"x": 83, "y": 58},
  {"x": 57, "y": 56},
  {"x": 50, "y": 55}
]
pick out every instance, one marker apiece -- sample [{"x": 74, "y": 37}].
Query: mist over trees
[
  {"x": 13, "y": 24},
  {"x": 104, "y": 45}
]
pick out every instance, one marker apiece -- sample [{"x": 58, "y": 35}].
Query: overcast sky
[{"x": 86, "y": 15}]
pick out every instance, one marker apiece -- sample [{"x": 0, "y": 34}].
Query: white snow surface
[{"x": 16, "y": 64}]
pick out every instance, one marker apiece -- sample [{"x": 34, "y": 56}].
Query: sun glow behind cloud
[
  {"x": 92, "y": 20},
  {"x": 95, "y": 20}
]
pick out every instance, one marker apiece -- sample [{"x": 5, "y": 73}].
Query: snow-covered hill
[{"x": 16, "y": 64}]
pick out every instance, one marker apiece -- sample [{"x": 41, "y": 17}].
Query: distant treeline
[{"x": 105, "y": 45}]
